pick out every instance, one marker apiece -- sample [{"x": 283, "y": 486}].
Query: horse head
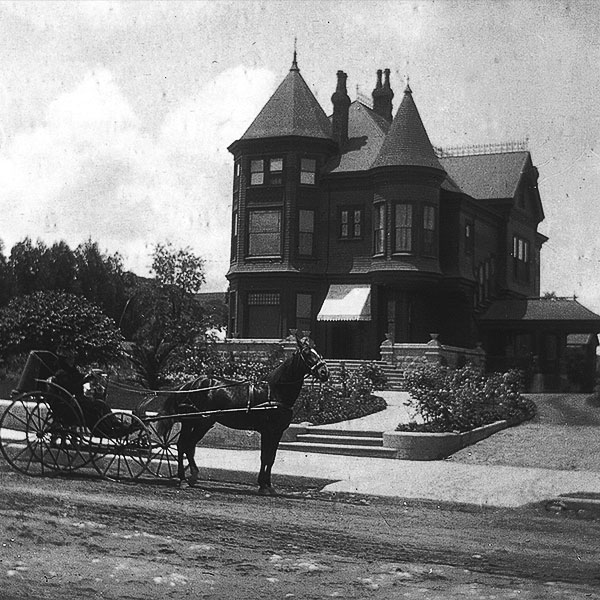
[{"x": 313, "y": 361}]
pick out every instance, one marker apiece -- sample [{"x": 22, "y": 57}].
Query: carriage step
[
  {"x": 349, "y": 440},
  {"x": 348, "y": 450}
]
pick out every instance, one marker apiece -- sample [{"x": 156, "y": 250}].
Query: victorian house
[{"x": 356, "y": 228}]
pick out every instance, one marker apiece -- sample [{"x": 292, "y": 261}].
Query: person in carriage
[{"x": 89, "y": 391}]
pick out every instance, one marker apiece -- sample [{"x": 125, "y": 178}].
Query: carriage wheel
[
  {"x": 163, "y": 448},
  {"x": 35, "y": 441},
  {"x": 121, "y": 446}
]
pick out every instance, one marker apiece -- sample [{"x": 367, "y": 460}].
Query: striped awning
[{"x": 346, "y": 303}]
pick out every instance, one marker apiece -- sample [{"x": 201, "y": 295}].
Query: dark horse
[{"x": 265, "y": 407}]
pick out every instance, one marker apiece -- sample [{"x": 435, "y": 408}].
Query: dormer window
[{"x": 308, "y": 171}]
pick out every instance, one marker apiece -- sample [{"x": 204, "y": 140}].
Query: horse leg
[
  {"x": 182, "y": 444},
  {"x": 197, "y": 432},
  {"x": 269, "y": 442}
]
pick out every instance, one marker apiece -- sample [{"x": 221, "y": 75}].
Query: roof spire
[{"x": 295, "y": 61}]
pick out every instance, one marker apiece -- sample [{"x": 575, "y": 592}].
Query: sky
[{"x": 115, "y": 117}]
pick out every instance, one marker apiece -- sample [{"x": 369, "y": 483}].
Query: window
[
  {"x": 275, "y": 171},
  {"x": 469, "y": 237},
  {"x": 303, "y": 311},
  {"x": 236, "y": 174},
  {"x": 264, "y": 233},
  {"x": 264, "y": 315},
  {"x": 379, "y": 230},
  {"x": 234, "y": 235},
  {"x": 521, "y": 258},
  {"x": 350, "y": 224},
  {"x": 257, "y": 172},
  {"x": 429, "y": 245},
  {"x": 403, "y": 228},
  {"x": 232, "y": 314},
  {"x": 306, "y": 231},
  {"x": 308, "y": 171},
  {"x": 268, "y": 171}
]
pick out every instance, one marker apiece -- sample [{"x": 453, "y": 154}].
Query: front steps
[
  {"x": 394, "y": 376},
  {"x": 333, "y": 441}
]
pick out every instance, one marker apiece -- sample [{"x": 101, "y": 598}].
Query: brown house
[{"x": 356, "y": 228}]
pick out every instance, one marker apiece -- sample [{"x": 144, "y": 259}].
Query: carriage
[{"x": 46, "y": 430}]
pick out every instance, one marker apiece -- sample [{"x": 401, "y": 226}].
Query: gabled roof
[
  {"x": 484, "y": 176},
  {"x": 566, "y": 310},
  {"x": 366, "y": 132},
  {"x": 291, "y": 110},
  {"x": 407, "y": 142}
]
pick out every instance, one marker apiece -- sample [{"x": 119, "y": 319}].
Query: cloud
[{"x": 93, "y": 170}]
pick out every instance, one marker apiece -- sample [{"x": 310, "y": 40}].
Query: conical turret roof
[
  {"x": 407, "y": 143},
  {"x": 291, "y": 110}
]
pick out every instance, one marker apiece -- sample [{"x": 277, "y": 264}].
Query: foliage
[
  {"x": 326, "y": 403},
  {"x": 100, "y": 278},
  {"x": 164, "y": 321},
  {"x": 47, "y": 320},
  {"x": 462, "y": 399},
  {"x": 240, "y": 368}
]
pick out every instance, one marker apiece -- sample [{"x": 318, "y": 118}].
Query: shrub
[
  {"x": 47, "y": 320},
  {"x": 322, "y": 404},
  {"x": 462, "y": 399}
]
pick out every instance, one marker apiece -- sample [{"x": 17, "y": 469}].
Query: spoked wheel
[
  {"x": 41, "y": 434},
  {"x": 163, "y": 447},
  {"x": 120, "y": 445}
]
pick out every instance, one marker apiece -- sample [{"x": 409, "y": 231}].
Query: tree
[
  {"x": 47, "y": 320},
  {"x": 58, "y": 268},
  {"x": 5, "y": 278},
  {"x": 100, "y": 278},
  {"x": 163, "y": 318},
  {"x": 25, "y": 264}
]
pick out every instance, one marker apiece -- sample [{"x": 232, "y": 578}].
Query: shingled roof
[
  {"x": 407, "y": 142},
  {"x": 486, "y": 175},
  {"x": 366, "y": 132},
  {"x": 536, "y": 310},
  {"x": 291, "y": 110}
]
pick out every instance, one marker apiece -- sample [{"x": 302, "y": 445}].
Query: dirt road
[{"x": 77, "y": 538}]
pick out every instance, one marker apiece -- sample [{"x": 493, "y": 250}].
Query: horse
[{"x": 265, "y": 407}]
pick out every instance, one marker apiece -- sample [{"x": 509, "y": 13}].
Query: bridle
[{"x": 312, "y": 369}]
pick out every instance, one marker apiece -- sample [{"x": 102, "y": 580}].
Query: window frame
[
  {"x": 310, "y": 172},
  {"x": 469, "y": 237},
  {"x": 253, "y": 234},
  {"x": 310, "y": 233},
  {"x": 302, "y": 320},
  {"x": 379, "y": 229},
  {"x": 408, "y": 229},
  {"x": 521, "y": 259},
  {"x": 353, "y": 223},
  {"x": 429, "y": 239},
  {"x": 269, "y": 175}
]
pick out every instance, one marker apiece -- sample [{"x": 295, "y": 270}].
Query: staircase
[
  {"x": 394, "y": 376},
  {"x": 332, "y": 441}
]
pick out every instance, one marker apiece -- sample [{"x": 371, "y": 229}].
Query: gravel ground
[{"x": 565, "y": 434}]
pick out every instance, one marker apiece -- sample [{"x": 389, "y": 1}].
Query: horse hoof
[{"x": 267, "y": 491}]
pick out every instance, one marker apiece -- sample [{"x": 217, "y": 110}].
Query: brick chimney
[
  {"x": 341, "y": 105},
  {"x": 382, "y": 95}
]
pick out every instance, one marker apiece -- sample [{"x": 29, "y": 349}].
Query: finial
[
  {"x": 295, "y": 61},
  {"x": 407, "y": 89}
]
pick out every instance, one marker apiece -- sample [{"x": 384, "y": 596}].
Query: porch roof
[
  {"x": 564, "y": 313},
  {"x": 346, "y": 302}
]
